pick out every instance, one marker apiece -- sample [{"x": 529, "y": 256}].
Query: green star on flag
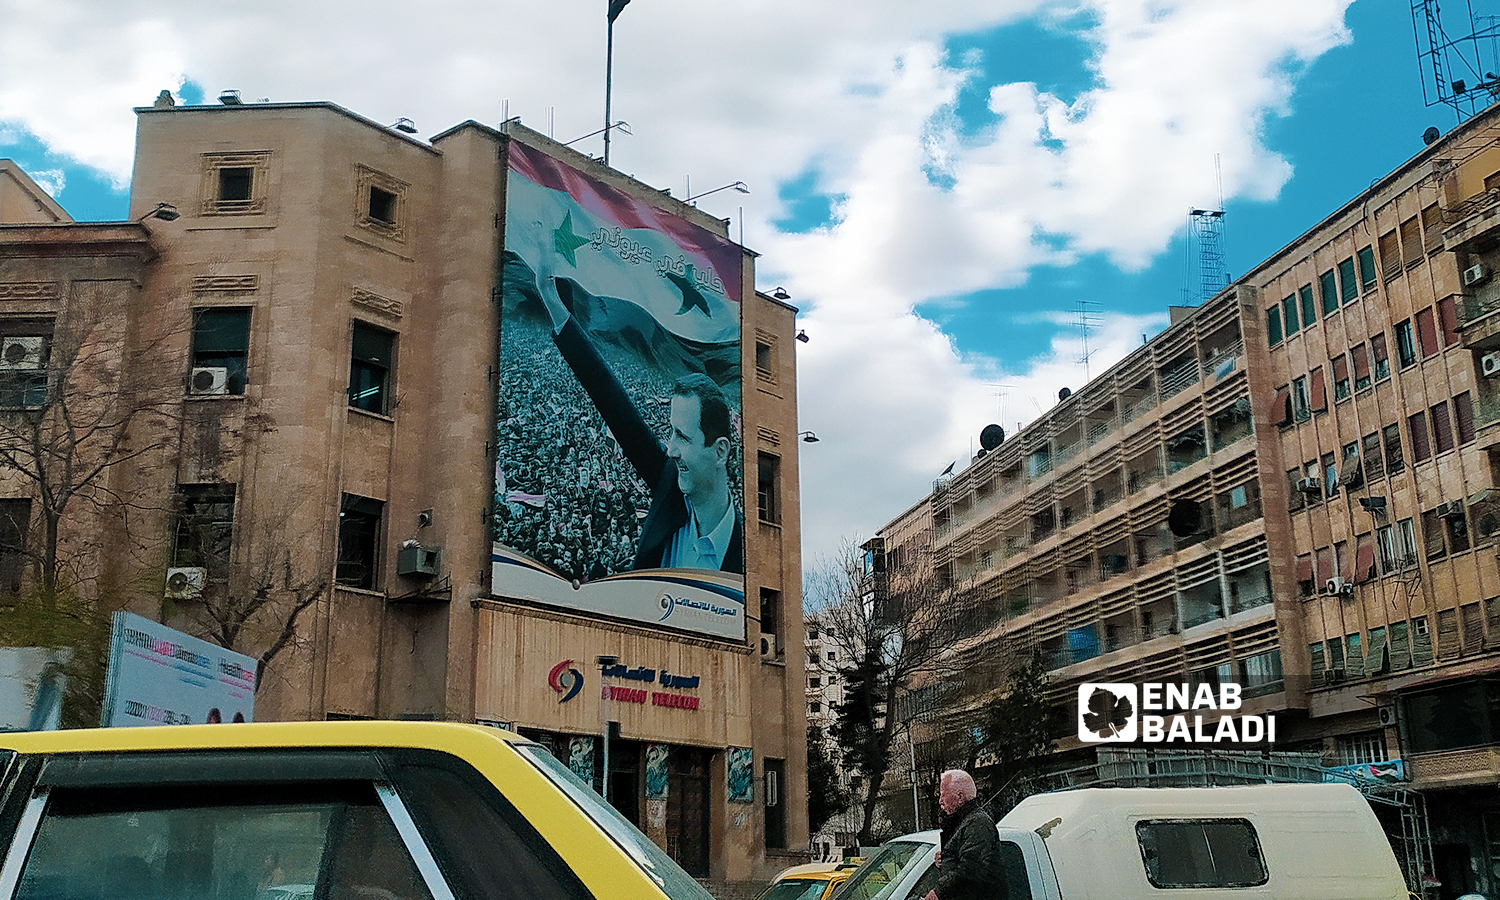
[
  {"x": 564, "y": 241},
  {"x": 691, "y": 296}
]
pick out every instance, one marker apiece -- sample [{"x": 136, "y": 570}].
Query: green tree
[
  {"x": 826, "y": 797},
  {"x": 1015, "y": 728}
]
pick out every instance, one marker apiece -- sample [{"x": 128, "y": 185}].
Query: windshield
[
  {"x": 677, "y": 884},
  {"x": 795, "y": 889},
  {"x": 882, "y": 869}
]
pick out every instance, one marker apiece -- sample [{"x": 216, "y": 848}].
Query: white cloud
[{"x": 759, "y": 91}]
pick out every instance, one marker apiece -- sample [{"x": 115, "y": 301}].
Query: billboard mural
[
  {"x": 618, "y": 479},
  {"x": 160, "y": 676}
]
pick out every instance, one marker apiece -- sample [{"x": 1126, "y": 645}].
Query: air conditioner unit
[
  {"x": 1310, "y": 486},
  {"x": 1451, "y": 510},
  {"x": 767, "y": 646},
  {"x": 1478, "y": 273},
  {"x": 1334, "y": 585},
  {"x": 1347, "y": 589},
  {"x": 1489, "y": 364},
  {"x": 185, "y": 582},
  {"x": 1387, "y": 715},
  {"x": 209, "y": 381},
  {"x": 21, "y": 352},
  {"x": 418, "y": 560}
]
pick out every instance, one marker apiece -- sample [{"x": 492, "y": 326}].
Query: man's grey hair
[{"x": 962, "y": 782}]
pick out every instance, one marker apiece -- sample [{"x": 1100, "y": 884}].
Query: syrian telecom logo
[
  {"x": 1107, "y": 713},
  {"x": 566, "y": 680}
]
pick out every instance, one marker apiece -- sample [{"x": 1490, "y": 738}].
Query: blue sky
[{"x": 938, "y": 186}]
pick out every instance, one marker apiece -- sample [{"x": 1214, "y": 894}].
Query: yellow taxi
[
  {"x": 815, "y": 881},
  {"x": 285, "y": 811}
]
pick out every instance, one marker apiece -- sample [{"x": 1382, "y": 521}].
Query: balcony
[
  {"x": 1478, "y": 323},
  {"x": 1454, "y": 768}
]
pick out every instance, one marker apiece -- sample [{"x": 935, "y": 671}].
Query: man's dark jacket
[
  {"x": 649, "y": 458},
  {"x": 971, "y": 867}
]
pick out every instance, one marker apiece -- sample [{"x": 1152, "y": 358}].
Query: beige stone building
[{"x": 328, "y": 306}]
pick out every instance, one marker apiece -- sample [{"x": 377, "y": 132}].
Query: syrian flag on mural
[{"x": 605, "y": 243}]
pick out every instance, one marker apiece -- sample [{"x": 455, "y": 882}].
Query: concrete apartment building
[
  {"x": 1291, "y": 488},
  {"x": 328, "y": 310}
]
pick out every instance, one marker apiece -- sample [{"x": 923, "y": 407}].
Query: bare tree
[{"x": 894, "y": 628}]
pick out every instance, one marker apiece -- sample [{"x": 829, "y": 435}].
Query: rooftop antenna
[
  {"x": 1455, "y": 72},
  {"x": 1001, "y": 392},
  {"x": 1205, "y": 274},
  {"x": 1086, "y": 317}
]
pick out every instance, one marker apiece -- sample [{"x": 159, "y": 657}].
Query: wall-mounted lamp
[
  {"x": 807, "y": 437},
  {"x": 163, "y": 211},
  {"x": 230, "y": 97},
  {"x": 802, "y": 336},
  {"x": 738, "y": 186},
  {"x": 405, "y": 126},
  {"x": 780, "y": 293}
]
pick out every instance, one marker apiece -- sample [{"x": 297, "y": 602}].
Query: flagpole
[{"x": 609, "y": 74}]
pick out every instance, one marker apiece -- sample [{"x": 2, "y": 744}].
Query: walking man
[{"x": 969, "y": 862}]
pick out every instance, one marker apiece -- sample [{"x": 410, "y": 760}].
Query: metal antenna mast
[
  {"x": 1455, "y": 70},
  {"x": 615, "y": 8},
  {"x": 1086, "y": 317},
  {"x": 1206, "y": 243}
]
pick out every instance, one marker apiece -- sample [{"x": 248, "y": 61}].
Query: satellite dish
[
  {"x": 991, "y": 437},
  {"x": 1431, "y": 135},
  {"x": 981, "y": 453},
  {"x": 1185, "y": 518},
  {"x": 1064, "y": 393}
]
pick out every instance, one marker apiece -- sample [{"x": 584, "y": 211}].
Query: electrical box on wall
[{"x": 418, "y": 560}]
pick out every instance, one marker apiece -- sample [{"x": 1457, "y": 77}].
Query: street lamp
[
  {"x": 163, "y": 211},
  {"x": 738, "y": 186},
  {"x": 807, "y": 437},
  {"x": 605, "y": 661}
]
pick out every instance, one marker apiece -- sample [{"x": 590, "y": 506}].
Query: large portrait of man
[{"x": 619, "y": 423}]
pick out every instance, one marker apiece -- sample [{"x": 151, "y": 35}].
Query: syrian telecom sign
[{"x": 1117, "y": 713}]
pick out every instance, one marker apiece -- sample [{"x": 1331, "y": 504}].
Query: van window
[
  {"x": 1017, "y": 882},
  {"x": 1199, "y": 853},
  {"x": 884, "y": 868}
]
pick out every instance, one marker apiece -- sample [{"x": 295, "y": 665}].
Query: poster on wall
[
  {"x": 619, "y": 471},
  {"x": 160, "y": 676},
  {"x": 581, "y": 758},
  {"x": 656, "y": 771},
  {"x": 741, "y": 775}
]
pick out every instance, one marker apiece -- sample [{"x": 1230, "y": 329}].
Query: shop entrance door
[{"x": 688, "y": 809}]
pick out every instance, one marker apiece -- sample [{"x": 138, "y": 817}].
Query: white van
[{"x": 1260, "y": 842}]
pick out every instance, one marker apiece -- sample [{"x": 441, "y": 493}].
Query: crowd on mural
[{"x": 565, "y": 494}]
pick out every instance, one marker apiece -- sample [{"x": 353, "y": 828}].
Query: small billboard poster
[
  {"x": 160, "y": 676},
  {"x": 619, "y": 477}
]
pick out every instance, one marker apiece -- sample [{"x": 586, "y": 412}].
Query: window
[
  {"x": 1201, "y": 853},
  {"x": 1367, "y": 276},
  {"x": 1300, "y": 408},
  {"x": 1361, "y": 366},
  {"x": 1398, "y": 546},
  {"x": 1411, "y": 242},
  {"x": 1349, "y": 470},
  {"x": 768, "y": 487},
  {"x": 1390, "y": 255},
  {"x": 1463, "y": 411},
  {"x": 815, "y": 706},
  {"x": 1381, "y": 357},
  {"x": 1318, "y": 392},
  {"x": 1328, "y": 290},
  {"x": 770, "y": 613},
  {"x": 359, "y": 541},
  {"x": 26, "y": 348},
  {"x": 1309, "y": 308},
  {"x": 1442, "y": 427},
  {"x": 382, "y": 203},
  {"x": 234, "y": 184},
  {"x": 204, "y": 530},
  {"x": 1406, "y": 348},
  {"x": 1348, "y": 287},
  {"x": 1341, "y": 390},
  {"x": 776, "y": 800},
  {"x": 1295, "y": 499},
  {"x": 1448, "y": 321},
  {"x": 1330, "y": 475},
  {"x": 815, "y": 682},
  {"x": 1273, "y": 325},
  {"x": 1289, "y": 314},
  {"x": 177, "y": 840},
  {"x": 1360, "y": 749},
  {"x": 371, "y": 359},
  {"x": 1374, "y": 463},
  {"x": 833, "y": 654},
  {"x": 15, "y": 522},
  {"x": 765, "y": 361},
  {"x": 1427, "y": 332},
  {"x": 221, "y": 340},
  {"x": 1456, "y": 523},
  {"x": 1393, "y": 460},
  {"x": 1261, "y": 673},
  {"x": 1416, "y": 429},
  {"x": 1432, "y": 535}
]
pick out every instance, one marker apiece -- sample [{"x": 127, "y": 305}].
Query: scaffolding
[{"x": 1139, "y": 767}]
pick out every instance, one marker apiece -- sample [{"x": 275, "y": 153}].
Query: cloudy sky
[{"x": 938, "y": 185}]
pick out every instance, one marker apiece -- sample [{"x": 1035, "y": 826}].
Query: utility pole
[{"x": 615, "y": 8}]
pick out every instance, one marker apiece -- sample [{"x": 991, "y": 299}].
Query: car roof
[
  {"x": 451, "y": 737},
  {"x": 928, "y": 837},
  {"x": 811, "y": 871}
]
